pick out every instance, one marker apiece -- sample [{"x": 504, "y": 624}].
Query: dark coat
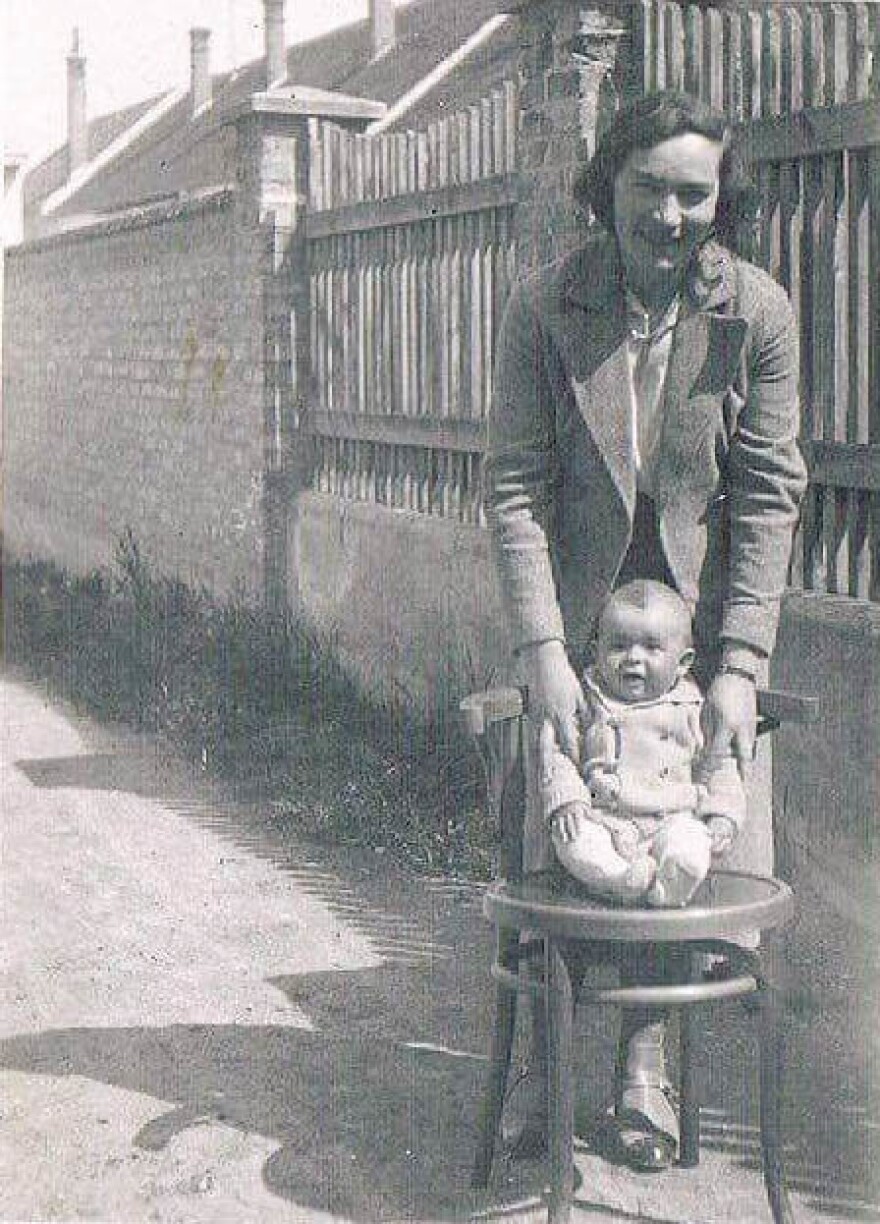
[{"x": 728, "y": 474}]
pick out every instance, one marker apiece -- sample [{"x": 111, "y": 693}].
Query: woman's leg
[{"x": 646, "y": 1121}]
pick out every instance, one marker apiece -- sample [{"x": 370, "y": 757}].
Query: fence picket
[
  {"x": 752, "y": 45},
  {"x": 873, "y": 408},
  {"x": 693, "y": 59},
  {"x": 733, "y": 66},
  {"x": 673, "y": 46},
  {"x": 640, "y": 26}
]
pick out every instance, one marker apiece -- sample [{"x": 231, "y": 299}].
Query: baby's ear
[{"x": 686, "y": 661}]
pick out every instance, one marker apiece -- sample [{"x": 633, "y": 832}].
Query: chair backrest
[{"x": 494, "y": 718}]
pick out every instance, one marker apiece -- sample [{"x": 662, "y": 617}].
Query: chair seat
[{"x": 727, "y": 904}]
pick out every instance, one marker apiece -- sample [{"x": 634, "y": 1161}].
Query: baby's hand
[
  {"x": 722, "y": 832},
  {"x": 566, "y": 821},
  {"x": 604, "y": 788}
]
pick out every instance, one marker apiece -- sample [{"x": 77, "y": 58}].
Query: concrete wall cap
[
  {"x": 303, "y": 100},
  {"x": 840, "y": 611}
]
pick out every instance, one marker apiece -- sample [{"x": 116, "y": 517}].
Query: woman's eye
[{"x": 691, "y": 199}]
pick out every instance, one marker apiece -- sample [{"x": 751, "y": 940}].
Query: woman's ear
[{"x": 686, "y": 661}]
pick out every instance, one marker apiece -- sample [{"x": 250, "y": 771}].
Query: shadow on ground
[
  {"x": 374, "y": 1111},
  {"x": 366, "y": 1128}
]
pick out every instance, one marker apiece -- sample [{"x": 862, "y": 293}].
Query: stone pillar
[
  {"x": 272, "y": 142},
  {"x": 571, "y": 74}
]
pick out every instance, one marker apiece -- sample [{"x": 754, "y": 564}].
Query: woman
[{"x": 645, "y": 426}]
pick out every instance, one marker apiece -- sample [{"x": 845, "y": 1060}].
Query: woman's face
[{"x": 665, "y": 199}]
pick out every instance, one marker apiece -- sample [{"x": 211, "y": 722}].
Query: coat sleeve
[
  {"x": 520, "y": 472},
  {"x": 766, "y": 473}
]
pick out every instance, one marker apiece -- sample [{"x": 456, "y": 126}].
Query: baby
[{"x": 639, "y": 822}]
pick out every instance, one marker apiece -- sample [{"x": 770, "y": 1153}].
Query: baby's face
[{"x": 641, "y": 652}]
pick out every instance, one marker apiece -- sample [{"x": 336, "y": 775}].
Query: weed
[{"x": 259, "y": 697}]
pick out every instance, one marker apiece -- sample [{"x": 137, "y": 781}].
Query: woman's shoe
[
  {"x": 626, "y": 1135},
  {"x": 646, "y": 1123}
]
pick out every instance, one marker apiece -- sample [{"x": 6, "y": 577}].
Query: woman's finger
[{"x": 744, "y": 751}]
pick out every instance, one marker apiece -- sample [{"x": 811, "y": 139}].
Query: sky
[{"x": 133, "y": 48}]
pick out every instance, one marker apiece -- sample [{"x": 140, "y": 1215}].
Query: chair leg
[
  {"x": 689, "y": 1114},
  {"x": 489, "y": 1121},
  {"x": 770, "y": 1103},
  {"x": 560, "y": 1090}
]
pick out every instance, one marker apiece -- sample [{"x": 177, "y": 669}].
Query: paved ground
[{"x": 206, "y": 1020}]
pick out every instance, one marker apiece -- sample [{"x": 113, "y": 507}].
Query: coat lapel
[
  {"x": 599, "y": 370},
  {"x": 702, "y": 365}
]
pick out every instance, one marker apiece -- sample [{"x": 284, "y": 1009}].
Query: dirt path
[{"x": 206, "y": 1020}]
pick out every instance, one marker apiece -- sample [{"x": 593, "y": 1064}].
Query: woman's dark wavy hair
[{"x": 647, "y": 122}]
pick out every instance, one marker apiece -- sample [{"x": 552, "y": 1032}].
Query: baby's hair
[{"x": 642, "y": 592}]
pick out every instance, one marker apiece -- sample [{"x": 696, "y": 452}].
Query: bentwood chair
[{"x": 561, "y": 916}]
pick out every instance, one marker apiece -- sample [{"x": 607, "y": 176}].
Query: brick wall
[
  {"x": 133, "y": 395},
  {"x": 573, "y": 67}
]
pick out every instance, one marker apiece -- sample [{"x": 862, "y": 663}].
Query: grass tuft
[{"x": 262, "y": 698}]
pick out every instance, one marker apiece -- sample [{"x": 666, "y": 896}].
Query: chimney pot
[
  {"x": 200, "y": 68},
  {"x": 276, "y": 47},
  {"x": 382, "y": 26},
  {"x": 77, "y": 122}
]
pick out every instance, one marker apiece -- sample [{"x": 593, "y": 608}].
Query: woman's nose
[{"x": 669, "y": 211}]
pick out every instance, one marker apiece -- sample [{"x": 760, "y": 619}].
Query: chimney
[
  {"x": 77, "y": 123},
  {"x": 200, "y": 68},
  {"x": 382, "y": 26},
  {"x": 276, "y": 49}
]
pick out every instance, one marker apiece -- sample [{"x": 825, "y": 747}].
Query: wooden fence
[
  {"x": 412, "y": 252},
  {"x": 802, "y": 82},
  {"x": 411, "y": 256}
]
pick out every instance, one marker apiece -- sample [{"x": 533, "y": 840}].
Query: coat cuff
[
  {"x": 750, "y": 625},
  {"x": 741, "y": 657}
]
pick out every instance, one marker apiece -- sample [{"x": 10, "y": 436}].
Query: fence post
[
  {"x": 569, "y": 73},
  {"x": 272, "y": 171}
]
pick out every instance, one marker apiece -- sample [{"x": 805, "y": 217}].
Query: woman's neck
[{"x": 655, "y": 294}]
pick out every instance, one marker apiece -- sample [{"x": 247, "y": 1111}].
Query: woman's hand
[
  {"x": 730, "y": 717},
  {"x": 554, "y": 692}
]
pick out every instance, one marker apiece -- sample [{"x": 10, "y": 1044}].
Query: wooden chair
[{"x": 727, "y": 904}]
